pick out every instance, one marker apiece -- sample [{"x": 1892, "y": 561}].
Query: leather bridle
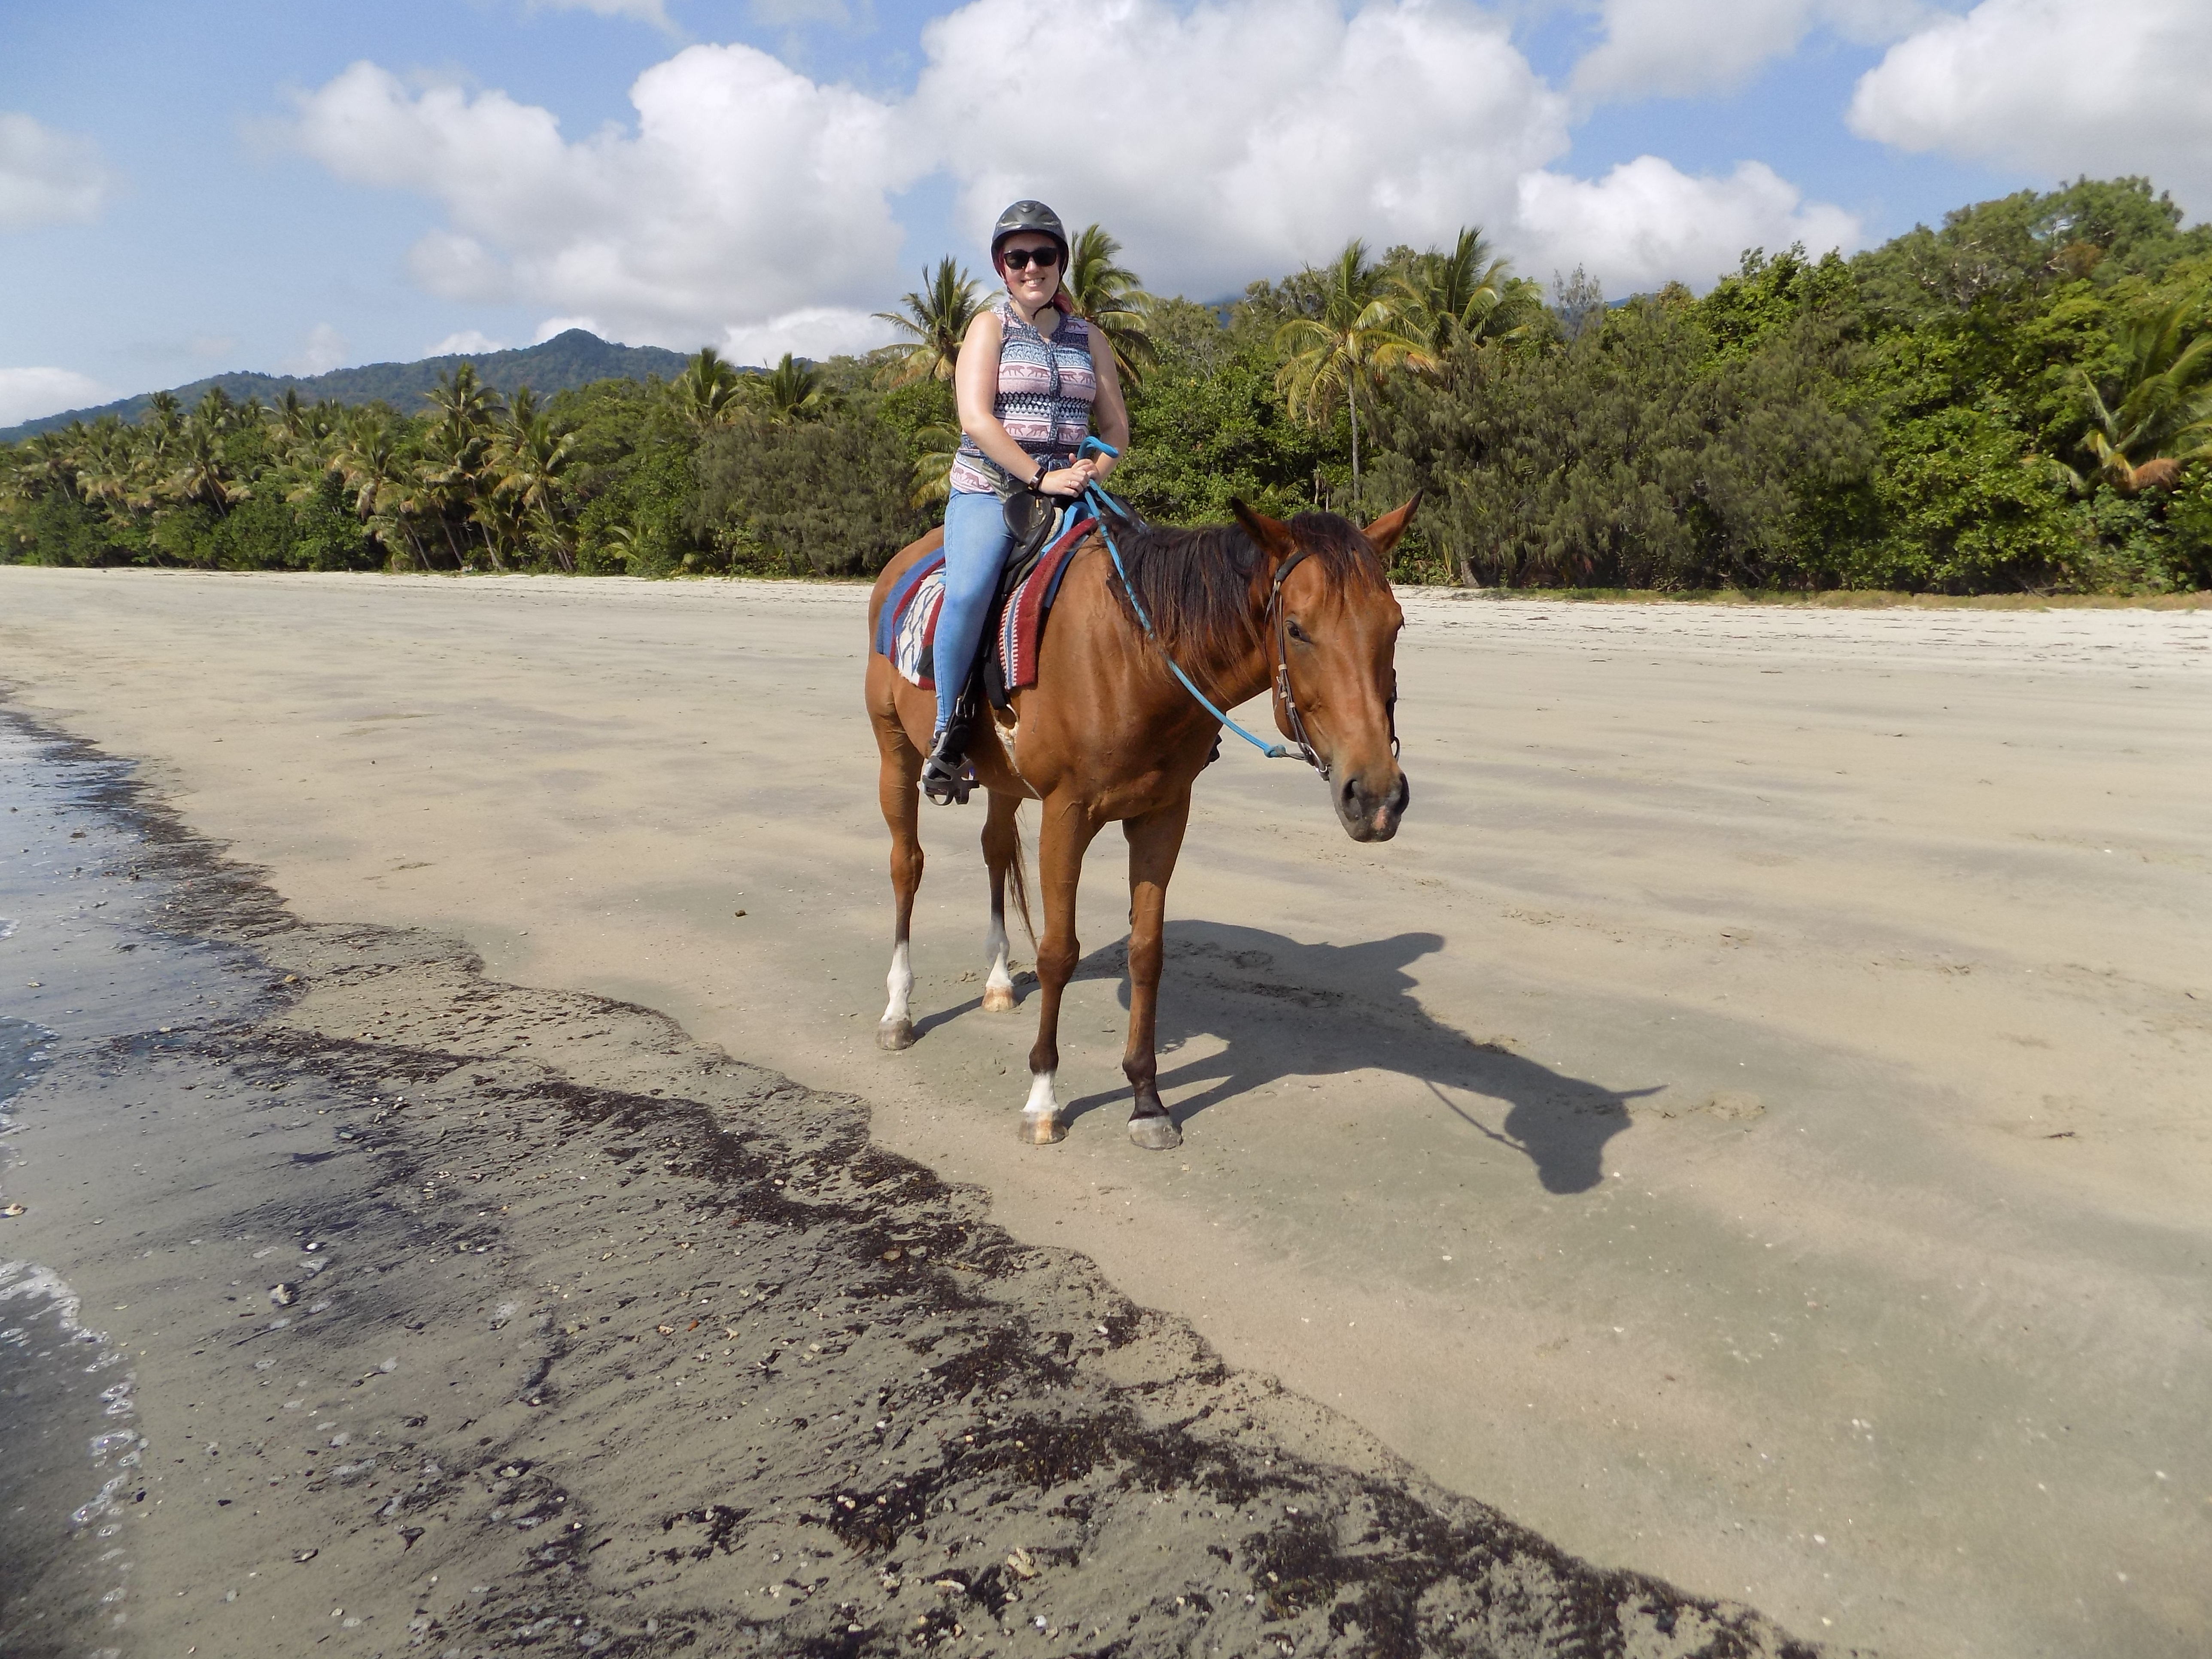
[{"x": 1286, "y": 702}]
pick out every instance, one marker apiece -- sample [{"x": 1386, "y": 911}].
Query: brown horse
[{"x": 1107, "y": 735}]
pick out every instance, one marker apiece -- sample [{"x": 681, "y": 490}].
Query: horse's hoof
[
  {"x": 998, "y": 998},
  {"x": 1155, "y": 1134},
  {"x": 895, "y": 1035},
  {"x": 1041, "y": 1131}
]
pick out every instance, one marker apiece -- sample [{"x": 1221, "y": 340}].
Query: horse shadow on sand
[{"x": 1283, "y": 1009}]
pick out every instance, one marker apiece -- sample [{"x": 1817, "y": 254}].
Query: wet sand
[
  {"x": 1748, "y": 1128},
  {"x": 553, "y": 1330}
]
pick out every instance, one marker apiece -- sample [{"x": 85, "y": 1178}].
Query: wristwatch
[{"x": 1044, "y": 465}]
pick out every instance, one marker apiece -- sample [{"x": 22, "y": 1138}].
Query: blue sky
[{"x": 186, "y": 189}]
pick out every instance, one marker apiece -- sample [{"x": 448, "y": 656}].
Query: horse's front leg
[
  {"x": 1061, "y": 843},
  {"x": 1002, "y": 854},
  {"x": 1154, "y": 842},
  {"x": 901, "y": 804}
]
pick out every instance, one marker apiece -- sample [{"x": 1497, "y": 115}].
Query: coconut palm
[
  {"x": 935, "y": 319},
  {"x": 455, "y": 449},
  {"x": 1108, "y": 296},
  {"x": 202, "y": 472},
  {"x": 216, "y": 410},
  {"x": 2162, "y": 415},
  {"x": 366, "y": 458},
  {"x": 1447, "y": 299},
  {"x": 709, "y": 390},
  {"x": 49, "y": 462},
  {"x": 1356, "y": 332},
  {"x": 531, "y": 460},
  {"x": 164, "y": 413},
  {"x": 933, "y": 471},
  {"x": 792, "y": 391}
]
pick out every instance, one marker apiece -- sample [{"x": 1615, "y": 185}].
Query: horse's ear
[
  {"x": 1268, "y": 535},
  {"x": 1384, "y": 533}
]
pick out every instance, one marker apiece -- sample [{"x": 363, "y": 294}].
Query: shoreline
[
  {"x": 1841, "y": 598},
  {"x": 576, "y": 1329}
]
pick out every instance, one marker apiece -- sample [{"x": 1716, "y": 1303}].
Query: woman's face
[{"x": 1032, "y": 268}]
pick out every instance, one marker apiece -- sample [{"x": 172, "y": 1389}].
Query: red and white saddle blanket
[{"x": 906, "y": 629}]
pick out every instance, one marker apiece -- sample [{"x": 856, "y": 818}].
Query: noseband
[{"x": 1286, "y": 704}]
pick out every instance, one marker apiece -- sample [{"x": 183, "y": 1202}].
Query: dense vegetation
[{"x": 2018, "y": 400}]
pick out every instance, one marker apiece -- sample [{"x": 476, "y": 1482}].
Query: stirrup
[{"x": 945, "y": 777}]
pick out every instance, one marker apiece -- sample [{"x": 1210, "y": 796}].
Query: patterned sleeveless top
[{"x": 1046, "y": 388}]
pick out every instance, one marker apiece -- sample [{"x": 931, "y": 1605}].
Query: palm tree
[
  {"x": 2162, "y": 415},
  {"x": 708, "y": 392},
  {"x": 203, "y": 473},
  {"x": 792, "y": 391},
  {"x": 49, "y": 464},
  {"x": 933, "y": 471},
  {"x": 455, "y": 448},
  {"x": 531, "y": 460},
  {"x": 936, "y": 319},
  {"x": 1110, "y": 298},
  {"x": 367, "y": 459},
  {"x": 1357, "y": 334},
  {"x": 216, "y": 410},
  {"x": 1449, "y": 298},
  {"x": 163, "y": 413}
]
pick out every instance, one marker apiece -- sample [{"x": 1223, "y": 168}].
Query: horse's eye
[{"x": 1298, "y": 633}]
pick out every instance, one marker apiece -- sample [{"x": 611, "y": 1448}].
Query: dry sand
[{"x": 1749, "y": 1126}]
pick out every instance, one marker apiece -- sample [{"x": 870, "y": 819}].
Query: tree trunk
[{"x": 1352, "y": 400}]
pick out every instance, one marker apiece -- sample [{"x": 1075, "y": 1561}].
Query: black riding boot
[{"x": 945, "y": 778}]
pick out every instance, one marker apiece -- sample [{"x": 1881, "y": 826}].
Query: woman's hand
[{"x": 1069, "y": 480}]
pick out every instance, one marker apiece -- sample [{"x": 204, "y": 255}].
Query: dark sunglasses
[{"x": 1019, "y": 258}]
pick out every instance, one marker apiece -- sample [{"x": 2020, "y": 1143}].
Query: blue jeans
[{"x": 976, "y": 543}]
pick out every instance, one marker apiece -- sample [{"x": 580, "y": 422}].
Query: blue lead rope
[{"x": 1101, "y": 504}]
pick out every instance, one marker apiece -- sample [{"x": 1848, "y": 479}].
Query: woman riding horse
[{"x": 1028, "y": 384}]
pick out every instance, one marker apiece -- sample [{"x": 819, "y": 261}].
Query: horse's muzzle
[{"x": 1370, "y": 804}]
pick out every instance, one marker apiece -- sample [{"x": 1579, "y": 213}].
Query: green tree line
[{"x": 2018, "y": 400}]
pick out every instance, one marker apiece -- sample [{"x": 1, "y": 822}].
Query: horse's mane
[{"x": 1197, "y": 585}]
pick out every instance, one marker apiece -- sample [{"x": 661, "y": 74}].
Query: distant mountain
[{"x": 574, "y": 359}]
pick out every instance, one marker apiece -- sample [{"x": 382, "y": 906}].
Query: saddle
[{"x": 1005, "y": 662}]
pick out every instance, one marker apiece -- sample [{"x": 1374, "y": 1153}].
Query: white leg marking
[
  {"x": 896, "y": 1031},
  {"x": 998, "y": 984},
  {"x": 1040, "y": 1124},
  {"x": 900, "y": 983}
]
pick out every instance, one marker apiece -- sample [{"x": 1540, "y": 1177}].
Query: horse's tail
[{"x": 1019, "y": 872}]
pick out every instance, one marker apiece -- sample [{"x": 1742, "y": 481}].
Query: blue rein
[{"x": 1101, "y": 504}]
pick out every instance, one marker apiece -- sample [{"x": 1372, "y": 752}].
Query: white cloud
[
  {"x": 1680, "y": 48},
  {"x": 1238, "y": 136},
  {"x": 1220, "y": 140},
  {"x": 816, "y": 332},
  {"x": 325, "y": 349},
  {"x": 46, "y": 177},
  {"x": 747, "y": 191},
  {"x": 654, "y": 12},
  {"x": 1647, "y": 222},
  {"x": 28, "y": 393},
  {"x": 2056, "y": 88},
  {"x": 467, "y": 343}
]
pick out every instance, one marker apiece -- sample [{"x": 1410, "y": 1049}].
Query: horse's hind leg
[
  {"x": 1002, "y": 852},
  {"x": 901, "y": 804},
  {"x": 1154, "y": 842}
]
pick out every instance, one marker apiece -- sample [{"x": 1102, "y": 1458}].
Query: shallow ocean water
[{"x": 83, "y": 963}]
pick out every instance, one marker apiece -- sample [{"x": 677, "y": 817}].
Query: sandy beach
[{"x": 1748, "y": 1129}]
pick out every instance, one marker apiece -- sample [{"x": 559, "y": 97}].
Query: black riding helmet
[{"x": 1033, "y": 216}]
